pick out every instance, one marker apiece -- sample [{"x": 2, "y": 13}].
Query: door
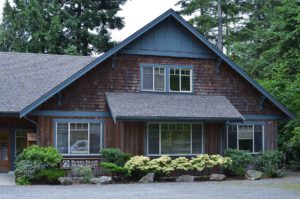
[{"x": 4, "y": 151}]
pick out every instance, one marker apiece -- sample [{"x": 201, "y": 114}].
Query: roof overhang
[{"x": 170, "y": 107}]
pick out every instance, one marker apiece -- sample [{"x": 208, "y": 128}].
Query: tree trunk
[{"x": 220, "y": 28}]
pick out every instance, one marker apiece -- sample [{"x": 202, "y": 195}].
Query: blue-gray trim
[
  {"x": 12, "y": 149},
  {"x": 72, "y": 113},
  {"x": 167, "y": 79},
  {"x": 169, "y": 13},
  {"x": 60, "y": 120},
  {"x": 263, "y": 117}
]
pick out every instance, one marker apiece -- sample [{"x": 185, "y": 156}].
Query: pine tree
[{"x": 62, "y": 27}]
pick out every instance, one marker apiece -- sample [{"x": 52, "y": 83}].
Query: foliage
[
  {"x": 181, "y": 163},
  {"x": 60, "y": 27},
  {"x": 240, "y": 159},
  {"x": 84, "y": 172},
  {"x": 114, "y": 169},
  {"x": 241, "y": 171},
  {"x": 138, "y": 166},
  {"x": 49, "y": 175},
  {"x": 33, "y": 160},
  {"x": 23, "y": 180},
  {"x": 271, "y": 163},
  {"x": 115, "y": 156},
  {"x": 206, "y": 161}
]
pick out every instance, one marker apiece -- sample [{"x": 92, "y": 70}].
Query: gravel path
[{"x": 287, "y": 188}]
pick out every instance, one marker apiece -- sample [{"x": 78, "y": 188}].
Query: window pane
[
  {"x": 78, "y": 141},
  {"x": 175, "y": 142},
  {"x": 21, "y": 140},
  {"x": 258, "y": 139},
  {"x": 246, "y": 145},
  {"x": 148, "y": 78},
  {"x": 159, "y": 79},
  {"x": 95, "y": 133},
  {"x": 197, "y": 138},
  {"x": 174, "y": 80},
  {"x": 185, "y": 80},
  {"x": 62, "y": 137},
  {"x": 232, "y": 136},
  {"x": 153, "y": 139}
]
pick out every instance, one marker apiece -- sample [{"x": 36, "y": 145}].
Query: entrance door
[{"x": 4, "y": 151}]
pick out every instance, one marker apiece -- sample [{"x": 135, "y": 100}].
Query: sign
[{"x": 69, "y": 163}]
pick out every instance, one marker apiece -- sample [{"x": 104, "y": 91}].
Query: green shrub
[
  {"x": 23, "y": 181},
  {"x": 33, "y": 160},
  {"x": 182, "y": 164},
  {"x": 206, "y": 161},
  {"x": 49, "y": 175},
  {"x": 114, "y": 169},
  {"x": 271, "y": 163},
  {"x": 138, "y": 166},
  {"x": 85, "y": 173},
  {"x": 240, "y": 159},
  {"x": 241, "y": 171},
  {"x": 115, "y": 156}
]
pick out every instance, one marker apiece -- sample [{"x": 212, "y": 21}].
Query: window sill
[{"x": 174, "y": 155}]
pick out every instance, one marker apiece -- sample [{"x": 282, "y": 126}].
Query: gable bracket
[
  {"x": 218, "y": 66},
  {"x": 113, "y": 60},
  {"x": 262, "y": 99}
]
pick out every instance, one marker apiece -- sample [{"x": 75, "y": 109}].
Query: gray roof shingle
[
  {"x": 25, "y": 77},
  {"x": 152, "y": 106}
]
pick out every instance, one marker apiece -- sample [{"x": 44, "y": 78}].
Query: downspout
[{"x": 36, "y": 127}]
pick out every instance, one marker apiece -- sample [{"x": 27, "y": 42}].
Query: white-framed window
[
  {"x": 153, "y": 78},
  {"x": 246, "y": 137},
  {"x": 174, "y": 138},
  {"x": 180, "y": 80},
  {"x": 78, "y": 138}
]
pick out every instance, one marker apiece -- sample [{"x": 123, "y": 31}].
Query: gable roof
[
  {"x": 121, "y": 45},
  {"x": 25, "y": 77}
]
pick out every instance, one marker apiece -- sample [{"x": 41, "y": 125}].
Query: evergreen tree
[
  {"x": 217, "y": 20},
  {"x": 59, "y": 26}
]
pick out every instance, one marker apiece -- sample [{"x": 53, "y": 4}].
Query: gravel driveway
[{"x": 288, "y": 187}]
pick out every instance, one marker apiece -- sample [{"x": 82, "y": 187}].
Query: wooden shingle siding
[
  {"x": 88, "y": 93},
  {"x": 271, "y": 135}
]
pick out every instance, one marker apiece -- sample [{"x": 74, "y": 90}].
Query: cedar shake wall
[{"x": 88, "y": 92}]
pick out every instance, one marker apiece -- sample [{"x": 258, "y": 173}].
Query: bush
[
  {"x": 240, "y": 159},
  {"x": 271, "y": 163},
  {"x": 138, "y": 166},
  {"x": 182, "y": 164},
  {"x": 114, "y": 169},
  {"x": 206, "y": 161},
  {"x": 49, "y": 175},
  {"x": 115, "y": 156},
  {"x": 85, "y": 173},
  {"x": 241, "y": 172},
  {"x": 33, "y": 160}
]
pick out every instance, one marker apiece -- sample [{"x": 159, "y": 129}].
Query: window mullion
[
  {"x": 191, "y": 139},
  {"x": 159, "y": 139},
  {"x": 69, "y": 137},
  {"x": 253, "y": 139}
]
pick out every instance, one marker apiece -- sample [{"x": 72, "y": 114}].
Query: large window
[
  {"x": 246, "y": 137},
  {"x": 153, "y": 79},
  {"x": 75, "y": 138},
  {"x": 166, "y": 78},
  {"x": 174, "y": 138}
]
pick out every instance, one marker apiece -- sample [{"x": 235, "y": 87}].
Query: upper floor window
[
  {"x": 180, "y": 79},
  {"x": 166, "y": 78},
  {"x": 153, "y": 79}
]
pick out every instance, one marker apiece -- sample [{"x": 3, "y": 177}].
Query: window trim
[
  {"x": 167, "y": 68},
  {"x": 153, "y": 78},
  {"x": 191, "y": 139},
  {"x": 88, "y": 121},
  {"x": 253, "y": 141}
]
